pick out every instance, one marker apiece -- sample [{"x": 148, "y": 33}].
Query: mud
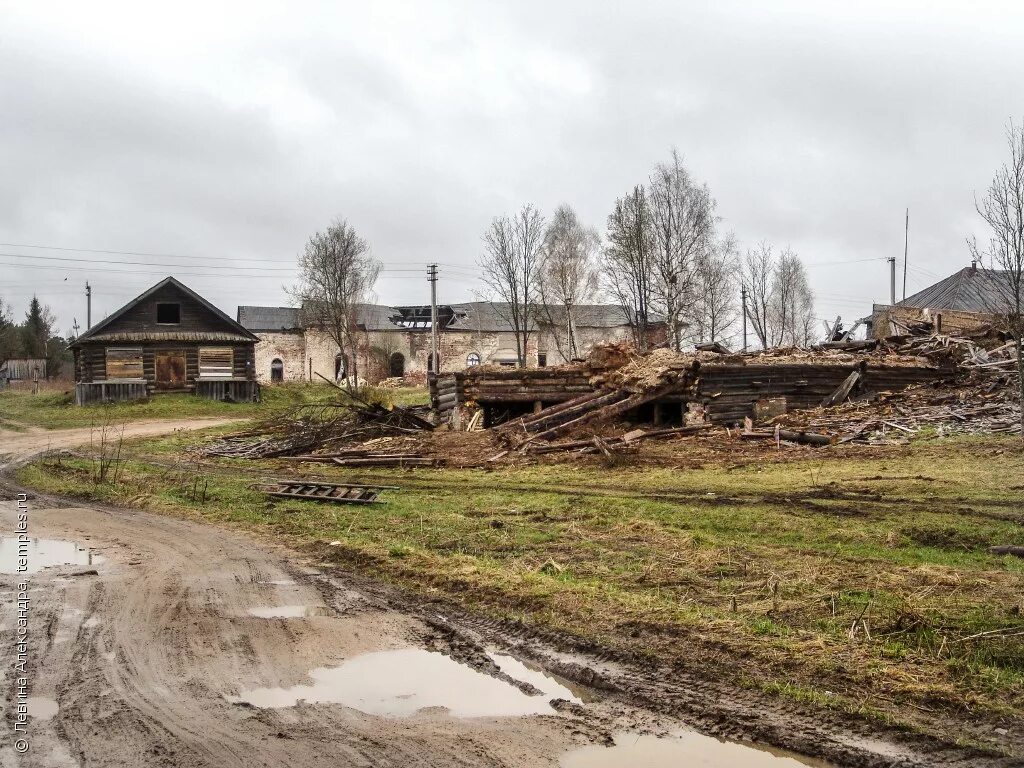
[{"x": 145, "y": 659}]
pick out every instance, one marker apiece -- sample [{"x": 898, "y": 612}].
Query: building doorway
[
  {"x": 276, "y": 369},
  {"x": 396, "y": 365},
  {"x": 170, "y": 370}
]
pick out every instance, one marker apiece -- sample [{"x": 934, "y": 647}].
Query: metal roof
[
  {"x": 972, "y": 289},
  {"x": 474, "y": 316}
]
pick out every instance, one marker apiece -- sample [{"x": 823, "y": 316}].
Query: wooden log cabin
[{"x": 169, "y": 339}]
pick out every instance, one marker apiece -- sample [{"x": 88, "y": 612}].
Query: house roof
[
  {"x": 972, "y": 289},
  {"x": 478, "y": 316},
  {"x": 96, "y": 333}
]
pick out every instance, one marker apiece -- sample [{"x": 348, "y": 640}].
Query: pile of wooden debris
[
  {"x": 323, "y": 429},
  {"x": 983, "y": 399}
]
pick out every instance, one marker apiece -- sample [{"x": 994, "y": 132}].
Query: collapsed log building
[{"x": 664, "y": 388}]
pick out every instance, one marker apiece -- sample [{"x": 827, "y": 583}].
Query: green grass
[
  {"x": 57, "y": 410},
  {"x": 754, "y": 568}
]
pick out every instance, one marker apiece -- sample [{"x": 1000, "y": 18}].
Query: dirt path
[{"x": 139, "y": 660}]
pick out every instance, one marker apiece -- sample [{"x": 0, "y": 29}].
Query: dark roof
[
  {"x": 269, "y": 318},
  {"x": 969, "y": 290},
  {"x": 96, "y": 332},
  {"x": 140, "y": 336},
  {"x": 479, "y": 316}
]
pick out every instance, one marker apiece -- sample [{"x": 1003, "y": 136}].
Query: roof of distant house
[
  {"x": 972, "y": 289},
  {"x": 478, "y": 316}
]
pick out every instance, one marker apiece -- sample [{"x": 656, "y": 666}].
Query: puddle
[
  {"x": 525, "y": 672},
  {"x": 41, "y": 708},
  {"x": 690, "y": 749},
  {"x": 278, "y": 582},
  {"x": 400, "y": 683},
  {"x": 42, "y": 553},
  {"x": 290, "y": 611}
]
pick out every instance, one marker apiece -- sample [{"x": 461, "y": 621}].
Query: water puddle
[
  {"x": 690, "y": 749},
  {"x": 556, "y": 687},
  {"x": 41, "y": 708},
  {"x": 278, "y": 582},
  {"x": 400, "y": 683},
  {"x": 290, "y": 611},
  {"x": 36, "y": 554}
]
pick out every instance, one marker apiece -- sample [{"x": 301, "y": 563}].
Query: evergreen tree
[{"x": 35, "y": 331}]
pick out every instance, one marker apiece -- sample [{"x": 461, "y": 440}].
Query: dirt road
[{"x": 168, "y": 642}]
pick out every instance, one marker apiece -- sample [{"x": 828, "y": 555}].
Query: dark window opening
[
  {"x": 473, "y": 358},
  {"x": 276, "y": 370},
  {"x": 168, "y": 314},
  {"x": 340, "y": 366},
  {"x": 396, "y": 365},
  {"x": 431, "y": 363},
  {"x": 542, "y": 359}
]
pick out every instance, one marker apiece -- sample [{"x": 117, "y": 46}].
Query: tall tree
[
  {"x": 713, "y": 313},
  {"x": 567, "y": 277},
  {"x": 336, "y": 275},
  {"x": 35, "y": 331},
  {"x": 757, "y": 269},
  {"x": 8, "y": 343},
  {"x": 628, "y": 262},
  {"x": 510, "y": 265},
  {"x": 1002, "y": 209},
  {"x": 780, "y": 303},
  {"x": 683, "y": 225}
]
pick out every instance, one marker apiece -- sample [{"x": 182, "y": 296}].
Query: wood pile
[
  {"x": 982, "y": 400},
  {"x": 308, "y": 429}
]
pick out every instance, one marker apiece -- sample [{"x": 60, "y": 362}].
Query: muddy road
[{"x": 158, "y": 641}]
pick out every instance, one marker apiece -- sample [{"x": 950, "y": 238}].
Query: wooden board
[
  {"x": 124, "y": 362},
  {"x": 170, "y": 369}
]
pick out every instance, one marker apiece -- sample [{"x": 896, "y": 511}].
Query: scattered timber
[{"x": 334, "y": 493}]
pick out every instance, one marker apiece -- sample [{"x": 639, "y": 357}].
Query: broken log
[{"x": 842, "y": 392}]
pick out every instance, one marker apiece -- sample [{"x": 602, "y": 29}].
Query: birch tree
[
  {"x": 780, "y": 302},
  {"x": 510, "y": 266},
  {"x": 713, "y": 314},
  {"x": 1002, "y": 209},
  {"x": 683, "y": 224},
  {"x": 336, "y": 275},
  {"x": 628, "y": 262},
  {"x": 567, "y": 277}
]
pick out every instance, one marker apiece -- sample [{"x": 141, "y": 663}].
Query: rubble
[{"x": 311, "y": 428}]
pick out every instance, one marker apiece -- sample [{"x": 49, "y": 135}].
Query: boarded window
[
  {"x": 216, "y": 361},
  {"x": 124, "y": 362}
]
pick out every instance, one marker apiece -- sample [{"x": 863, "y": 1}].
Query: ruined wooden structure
[
  {"x": 677, "y": 389},
  {"x": 169, "y": 339}
]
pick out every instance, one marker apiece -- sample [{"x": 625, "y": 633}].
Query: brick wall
[{"x": 376, "y": 349}]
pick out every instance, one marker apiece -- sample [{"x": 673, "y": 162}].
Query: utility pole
[
  {"x": 743, "y": 297},
  {"x": 432, "y": 278},
  {"x": 75, "y": 327},
  {"x": 88, "y": 305},
  {"x": 906, "y": 242},
  {"x": 892, "y": 280}
]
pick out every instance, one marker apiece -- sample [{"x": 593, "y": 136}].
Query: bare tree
[
  {"x": 1002, "y": 208},
  {"x": 780, "y": 303},
  {"x": 757, "y": 269},
  {"x": 683, "y": 225},
  {"x": 713, "y": 313},
  {"x": 627, "y": 263},
  {"x": 511, "y": 260},
  {"x": 791, "y": 303},
  {"x": 336, "y": 275},
  {"x": 567, "y": 277}
]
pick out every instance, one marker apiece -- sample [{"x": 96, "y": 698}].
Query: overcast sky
[{"x": 208, "y": 142}]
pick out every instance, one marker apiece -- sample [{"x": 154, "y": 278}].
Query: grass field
[
  {"x": 860, "y": 581},
  {"x": 57, "y": 410}
]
